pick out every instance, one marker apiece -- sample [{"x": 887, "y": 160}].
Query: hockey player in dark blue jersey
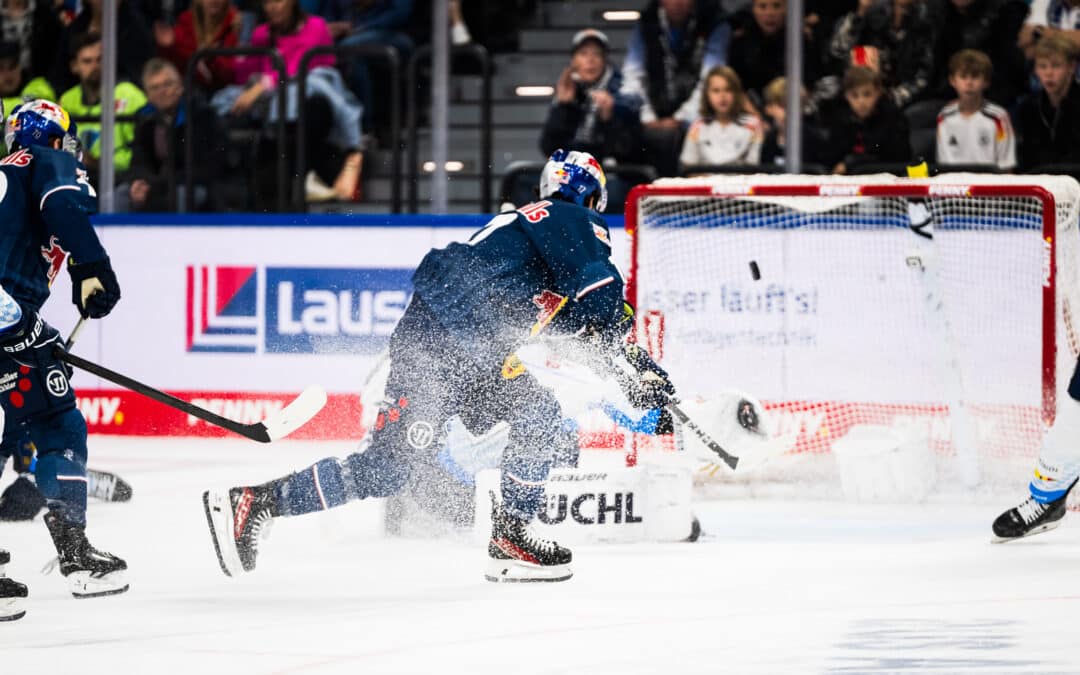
[
  {"x": 543, "y": 271},
  {"x": 45, "y": 204}
]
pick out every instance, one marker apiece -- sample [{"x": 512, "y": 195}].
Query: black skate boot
[
  {"x": 90, "y": 573},
  {"x": 237, "y": 520},
  {"x": 518, "y": 555},
  {"x": 1030, "y": 517},
  {"x": 12, "y": 593},
  {"x": 108, "y": 487}
]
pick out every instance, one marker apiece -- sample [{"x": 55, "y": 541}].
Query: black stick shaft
[
  {"x": 256, "y": 432},
  {"x": 690, "y": 424}
]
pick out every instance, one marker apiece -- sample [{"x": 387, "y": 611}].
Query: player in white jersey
[
  {"x": 972, "y": 130},
  {"x": 1055, "y": 473}
]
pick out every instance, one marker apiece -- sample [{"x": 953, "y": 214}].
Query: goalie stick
[{"x": 275, "y": 426}]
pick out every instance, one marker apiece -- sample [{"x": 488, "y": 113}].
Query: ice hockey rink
[{"x": 771, "y": 587}]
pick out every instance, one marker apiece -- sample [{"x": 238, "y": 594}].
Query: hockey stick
[
  {"x": 729, "y": 459},
  {"x": 74, "y": 335},
  {"x": 276, "y": 426}
]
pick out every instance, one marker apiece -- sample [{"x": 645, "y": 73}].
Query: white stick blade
[{"x": 296, "y": 414}]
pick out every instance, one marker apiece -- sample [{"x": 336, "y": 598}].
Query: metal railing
[
  {"x": 384, "y": 52},
  {"x": 486, "y": 133},
  {"x": 189, "y": 92}
]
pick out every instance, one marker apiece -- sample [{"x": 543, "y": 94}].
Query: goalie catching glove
[
  {"x": 646, "y": 385},
  {"x": 94, "y": 289}
]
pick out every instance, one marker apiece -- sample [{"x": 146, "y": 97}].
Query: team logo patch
[
  {"x": 420, "y": 435},
  {"x": 601, "y": 234},
  {"x": 57, "y": 383}
]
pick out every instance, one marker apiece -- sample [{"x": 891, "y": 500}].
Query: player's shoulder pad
[{"x": 56, "y": 172}]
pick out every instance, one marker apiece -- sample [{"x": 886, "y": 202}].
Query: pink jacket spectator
[{"x": 292, "y": 47}]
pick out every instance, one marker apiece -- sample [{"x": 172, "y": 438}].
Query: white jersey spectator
[
  {"x": 715, "y": 143},
  {"x": 983, "y": 137}
]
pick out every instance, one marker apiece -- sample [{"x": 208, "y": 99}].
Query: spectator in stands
[
  {"x": 368, "y": 22},
  {"x": 589, "y": 113},
  {"x": 84, "y": 101},
  {"x": 158, "y": 151},
  {"x": 896, "y": 38},
  {"x": 972, "y": 130},
  {"x": 725, "y": 133},
  {"x": 35, "y": 28},
  {"x": 1050, "y": 17},
  {"x": 14, "y": 89},
  {"x": 207, "y": 24},
  {"x": 134, "y": 42},
  {"x": 759, "y": 46},
  {"x": 990, "y": 26},
  {"x": 774, "y": 146},
  {"x": 870, "y": 128},
  {"x": 672, "y": 47},
  {"x": 1049, "y": 132},
  {"x": 337, "y": 141}
]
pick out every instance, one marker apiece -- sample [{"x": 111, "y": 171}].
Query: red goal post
[{"x": 990, "y": 329}]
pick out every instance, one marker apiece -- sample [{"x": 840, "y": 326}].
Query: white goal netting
[{"x": 963, "y": 342}]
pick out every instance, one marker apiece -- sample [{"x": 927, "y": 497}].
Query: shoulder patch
[
  {"x": 601, "y": 233},
  {"x": 536, "y": 211},
  {"x": 18, "y": 158}
]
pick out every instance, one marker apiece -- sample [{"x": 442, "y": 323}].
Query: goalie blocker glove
[{"x": 94, "y": 289}]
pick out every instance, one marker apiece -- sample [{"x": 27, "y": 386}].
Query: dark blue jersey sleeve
[{"x": 65, "y": 199}]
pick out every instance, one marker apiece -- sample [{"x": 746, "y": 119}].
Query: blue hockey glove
[
  {"x": 31, "y": 343},
  {"x": 94, "y": 289},
  {"x": 645, "y": 384}
]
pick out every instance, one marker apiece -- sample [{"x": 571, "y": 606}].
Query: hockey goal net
[{"x": 966, "y": 340}]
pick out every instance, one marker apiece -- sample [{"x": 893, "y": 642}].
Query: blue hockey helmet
[
  {"x": 38, "y": 122},
  {"x": 575, "y": 176}
]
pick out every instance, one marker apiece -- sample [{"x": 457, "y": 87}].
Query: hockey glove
[
  {"x": 31, "y": 343},
  {"x": 94, "y": 289},
  {"x": 645, "y": 384}
]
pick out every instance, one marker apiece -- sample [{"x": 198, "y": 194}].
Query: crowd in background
[
  {"x": 984, "y": 83},
  {"x": 978, "y": 84}
]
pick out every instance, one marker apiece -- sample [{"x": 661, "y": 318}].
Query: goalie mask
[
  {"x": 38, "y": 122},
  {"x": 574, "y": 177}
]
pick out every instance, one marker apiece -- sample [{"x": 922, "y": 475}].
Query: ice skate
[
  {"x": 108, "y": 487},
  {"x": 90, "y": 573},
  {"x": 517, "y": 555},
  {"x": 237, "y": 520},
  {"x": 1030, "y": 517},
  {"x": 12, "y": 593}
]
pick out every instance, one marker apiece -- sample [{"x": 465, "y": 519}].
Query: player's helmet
[
  {"x": 38, "y": 122},
  {"x": 575, "y": 176}
]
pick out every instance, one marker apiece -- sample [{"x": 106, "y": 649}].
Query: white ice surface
[{"x": 773, "y": 587}]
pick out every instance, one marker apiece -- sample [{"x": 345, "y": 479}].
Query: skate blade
[
  {"x": 85, "y": 585},
  {"x": 11, "y": 609},
  {"x": 516, "y": 571},
  {"x": 1046, "y": 527},
  {"x": 219, "y": 520}
]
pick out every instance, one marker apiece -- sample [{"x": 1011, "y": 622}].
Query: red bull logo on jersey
[
  {"x": 55, "y": 255},
  {"x": 255, "y": 309}
]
